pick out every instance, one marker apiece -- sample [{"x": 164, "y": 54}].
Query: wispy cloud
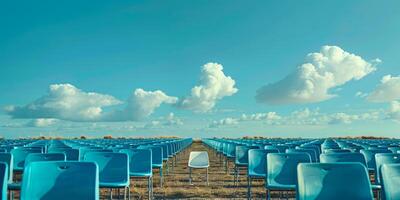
[{"x": 300, "y": 117}]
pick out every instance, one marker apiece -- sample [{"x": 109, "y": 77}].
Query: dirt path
[{"x": 221, "y": 186}]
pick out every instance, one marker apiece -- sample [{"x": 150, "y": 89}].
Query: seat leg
[
  {"x": 190, "y": 175},
  {"x": 148, "y": 187},
  {"x": 161, "y": 177},
  {"x": 248, "y": 187},
  {"x": 119, "y": 193},
  {"x": 111, "y": 197},
  {"x": 207, "y": 176}
]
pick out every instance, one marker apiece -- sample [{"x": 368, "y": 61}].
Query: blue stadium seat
[
  {"x": 3, "y": 180},
  {"x": 140, "y": 166},
  {"x": 257, "y": 168},
  {"x": 113, "y": 170},
  {"x": 282, "y": 170},
  {"x": 60, "y": 180},
  {"x": 331, "y": 181},
  {"x": 390, "y": 181},
  {"x": 342, "y": 157}
]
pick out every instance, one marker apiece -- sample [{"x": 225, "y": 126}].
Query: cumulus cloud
[
  {"x": 172, "y": 120},
  {"x": 394, "y": 111},
  {"x": 224, "y": 122},
  {"x": 66, "y": 102},
  {"x": 311, "y": 82},
  {"x": 388, "y": 90},
  {"x": 270, "y": 116},
  {"x": 41, "y": 122},
  {"x": 214, "y": 85},
  {"x": 140, "y": 105}
]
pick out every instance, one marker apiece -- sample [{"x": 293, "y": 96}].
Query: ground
[{"x": 221, "y": 185}]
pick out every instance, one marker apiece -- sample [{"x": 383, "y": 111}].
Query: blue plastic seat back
[
  {"x": 83, "y": 151},
  {"x": 3, "y": 180},
  {"x": 384, "y": 158},
  {"x": 315, "y": 147},
  {"x": 390, "y": 174},
  {"x": 310, "y": 152},
  {"x": 328, "y": 181},
  {"x": 164, "y": 151},
  {"x": 157, "y": 156},
  {"x": 282, "y": 167},
  {"x": 35, "y": 157},
  {"x": 140, "y": 161},
  {"x": 258, "y": 162},
  {"x": 394, "y": 149},
  {"x": 369, "y": 156},
  {"x": 3, "y": 150},
  {"x": 19, "y": 156},
  {"x": 70, "y": 153},
  {"x": 231, "y": 150},
  {"x": 8, "y": 159},
  {"x": 241, "y": 155},
  {"x": 113, "y": 167},
  {"x": 337, "y": 151},
  {"x": 60, "y": 180},
  {"x": 342, "y": 157}
]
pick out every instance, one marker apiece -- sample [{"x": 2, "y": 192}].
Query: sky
[{"x": 200, "y": 68}]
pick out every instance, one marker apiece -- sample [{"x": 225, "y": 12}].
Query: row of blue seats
[
  {"x": 65, "y": 163},
  {"x": 278, "y": 163}
]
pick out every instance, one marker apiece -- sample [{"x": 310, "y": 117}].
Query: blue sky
[{"x": 71, "y": 68}]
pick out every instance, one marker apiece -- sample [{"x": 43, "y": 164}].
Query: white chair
[{"x": 198, "y": 160}]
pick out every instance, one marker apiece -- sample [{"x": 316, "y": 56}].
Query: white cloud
[
  {"x": 361, "y": 94},
  {"x": 270, "y": 116},
  {"x": 311, "y": 82},
  {"x": 224, "y": 122},
  {"x": 41, "y": 122},
  {"x": 141, "y": 104},
  {"x": 302, "y": 117},
  {"x": 169, "y": 120},
  {"x": 65, "y": 101},
  {"x": 388, "y": 90},
  {"x": 214, "y": 85},
  {"x": 394, "y": 111},
  {"x": 172, "y": 120}
]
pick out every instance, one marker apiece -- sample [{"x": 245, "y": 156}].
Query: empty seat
[
  {"x": 257, "y": 166},
  {"x": 282, "y": 170},
  {"x": 113, "y": 169},
  {"x": 370, "y": 157},
  {"x": 60, "y": 180},
  {"x": 326, "y": 181},
  {"x": 35, "y": 157},
  {"x": 342, "y": 157},
  {"x": 3, "y": 180},
  {"x": 198, "y": 160},
  {"x": 140, "y": 166},
  {"x": 384, "y": 158},
  {"x": 71, "y": 154},
  {"x": 390, "y": 181},
  {"x": 19, "y": 156}
]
